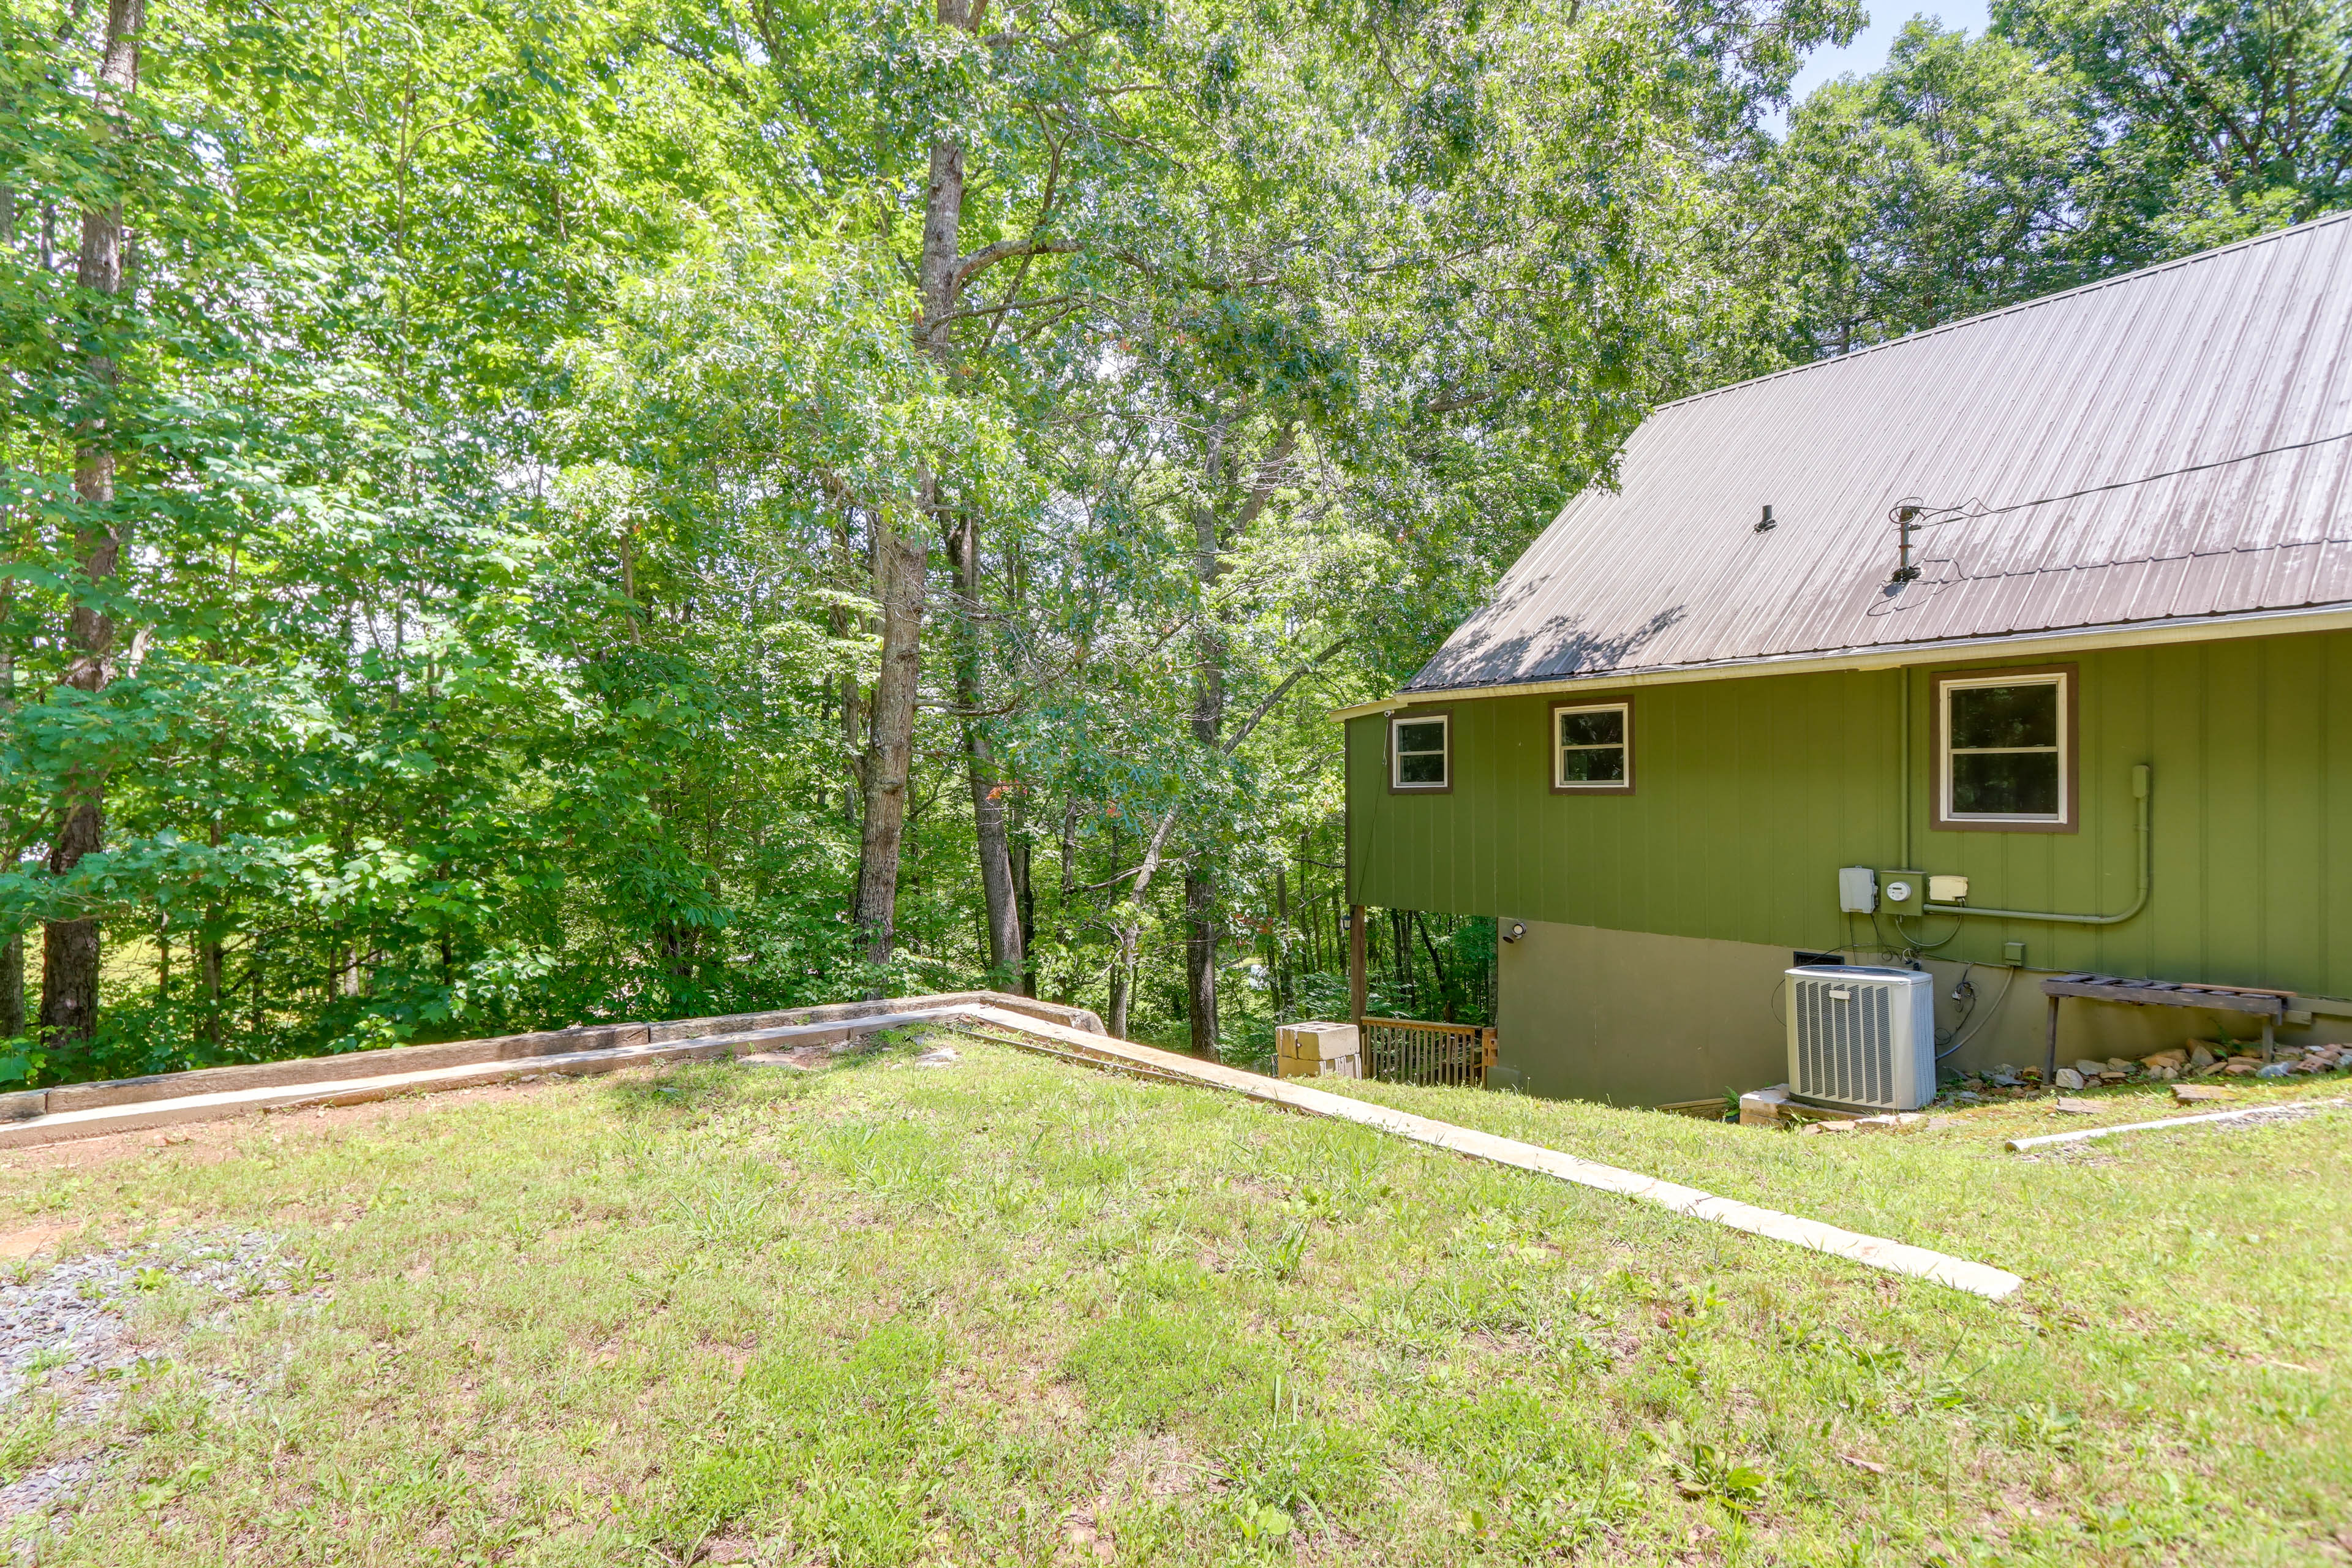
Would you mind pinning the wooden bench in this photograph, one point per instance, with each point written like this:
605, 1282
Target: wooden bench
2271, 1006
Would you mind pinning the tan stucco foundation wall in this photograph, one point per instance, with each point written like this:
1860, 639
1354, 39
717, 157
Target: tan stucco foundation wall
1636, 1018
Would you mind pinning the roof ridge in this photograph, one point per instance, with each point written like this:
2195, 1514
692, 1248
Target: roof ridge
2035, 303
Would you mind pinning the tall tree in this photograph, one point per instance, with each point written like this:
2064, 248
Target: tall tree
70, 948
2231, 115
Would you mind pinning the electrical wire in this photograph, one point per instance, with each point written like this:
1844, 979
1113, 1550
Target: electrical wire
1919, 946
2007, 979
1936, 516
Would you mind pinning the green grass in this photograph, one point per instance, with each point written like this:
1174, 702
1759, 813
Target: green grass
1013, 1312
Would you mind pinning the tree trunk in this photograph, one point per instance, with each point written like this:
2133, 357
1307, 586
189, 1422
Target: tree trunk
12, 987
899, 571
898, 567
1277, 941
1357, 982
1025, 899
1007, 958
1208, 647
1122, 971
69, 957
12, 951
1065, 992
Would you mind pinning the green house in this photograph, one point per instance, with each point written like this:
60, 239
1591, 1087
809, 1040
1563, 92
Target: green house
2018, 647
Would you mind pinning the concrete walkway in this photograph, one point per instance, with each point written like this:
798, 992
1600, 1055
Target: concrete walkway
216, 1092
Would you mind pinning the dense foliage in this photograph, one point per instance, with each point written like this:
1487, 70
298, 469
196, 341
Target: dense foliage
509, 518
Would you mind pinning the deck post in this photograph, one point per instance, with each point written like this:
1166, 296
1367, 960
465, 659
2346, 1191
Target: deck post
2050, 1053
1356, 983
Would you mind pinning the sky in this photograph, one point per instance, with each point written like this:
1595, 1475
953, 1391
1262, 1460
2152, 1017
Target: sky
1868, 50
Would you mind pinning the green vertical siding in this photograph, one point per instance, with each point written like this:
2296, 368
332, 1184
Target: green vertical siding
1750, 793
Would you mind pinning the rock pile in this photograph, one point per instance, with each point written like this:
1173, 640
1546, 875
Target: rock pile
2189, 1060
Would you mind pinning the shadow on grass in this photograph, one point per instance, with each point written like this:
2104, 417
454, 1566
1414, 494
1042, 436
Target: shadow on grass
702, 1087
689, 1090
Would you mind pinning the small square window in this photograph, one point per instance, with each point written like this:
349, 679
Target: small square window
1419, 752
2005, 750
1592, 747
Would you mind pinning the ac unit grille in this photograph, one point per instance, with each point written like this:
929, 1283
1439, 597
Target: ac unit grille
1843, 1049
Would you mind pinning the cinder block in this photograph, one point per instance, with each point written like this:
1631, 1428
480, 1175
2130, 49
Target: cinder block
1324, 1067
1316, 1042
1761, 1107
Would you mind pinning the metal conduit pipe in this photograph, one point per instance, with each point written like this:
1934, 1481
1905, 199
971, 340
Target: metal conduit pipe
2141, 783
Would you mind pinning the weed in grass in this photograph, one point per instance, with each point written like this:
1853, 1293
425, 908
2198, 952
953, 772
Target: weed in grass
2046, 1425
1294, 1462
1700, 1470
29, 1432
46, 1360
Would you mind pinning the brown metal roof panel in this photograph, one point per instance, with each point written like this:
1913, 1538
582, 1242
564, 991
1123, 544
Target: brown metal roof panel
2114, 390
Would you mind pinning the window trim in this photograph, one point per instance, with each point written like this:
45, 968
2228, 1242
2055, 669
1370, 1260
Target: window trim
1421, 715
2067, 678
1551, 747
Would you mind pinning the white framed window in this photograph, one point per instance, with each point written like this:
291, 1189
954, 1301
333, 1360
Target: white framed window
2005, 750
1421, 752
1592, 748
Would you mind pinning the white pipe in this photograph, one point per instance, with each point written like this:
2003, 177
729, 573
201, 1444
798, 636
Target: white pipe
2239, 1115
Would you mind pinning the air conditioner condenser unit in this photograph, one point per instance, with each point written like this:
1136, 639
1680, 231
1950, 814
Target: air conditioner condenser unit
1862, 1037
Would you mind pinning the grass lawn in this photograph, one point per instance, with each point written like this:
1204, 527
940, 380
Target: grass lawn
1009, 1311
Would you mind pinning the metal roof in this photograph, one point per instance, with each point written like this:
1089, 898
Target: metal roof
2173, 443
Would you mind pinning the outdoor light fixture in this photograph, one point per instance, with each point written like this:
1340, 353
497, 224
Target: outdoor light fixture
1765, 524
1515, 931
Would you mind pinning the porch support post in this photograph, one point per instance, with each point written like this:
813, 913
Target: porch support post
1356, 991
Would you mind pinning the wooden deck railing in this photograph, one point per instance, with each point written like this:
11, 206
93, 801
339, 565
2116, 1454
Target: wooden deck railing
1414, 1050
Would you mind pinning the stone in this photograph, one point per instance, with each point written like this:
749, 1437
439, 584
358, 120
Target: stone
2164, 1074
2118, 1063
1761, 1107
2069, 1078
2005, 1080
2175, 1058
939, 1057
2241, 1069
2087, 1068
2076, 1107
2274, 1069
2197, 1093
2201, 1055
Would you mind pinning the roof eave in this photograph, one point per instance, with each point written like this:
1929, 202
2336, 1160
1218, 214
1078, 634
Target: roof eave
2132, 634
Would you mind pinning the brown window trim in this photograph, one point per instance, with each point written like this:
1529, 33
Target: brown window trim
1388, 749
2070, 751
1551, 746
